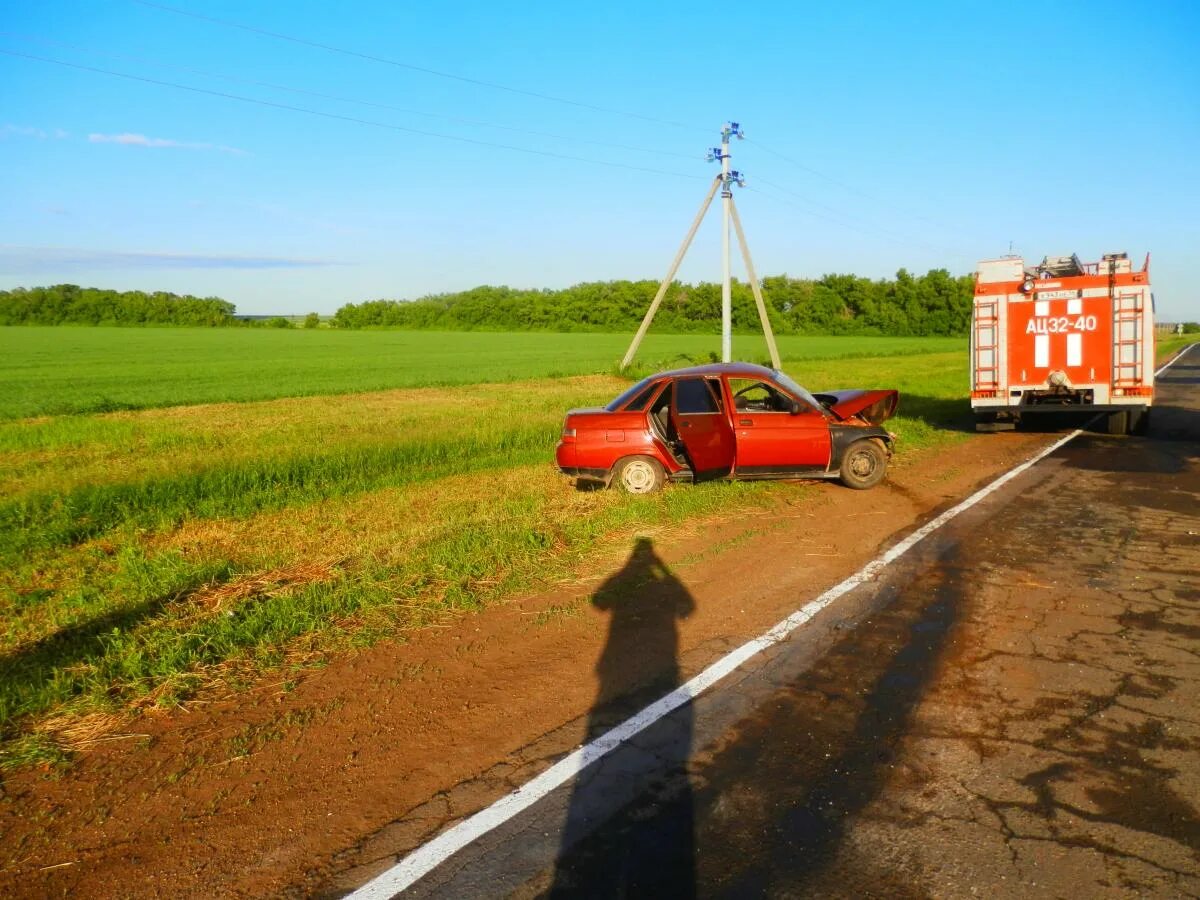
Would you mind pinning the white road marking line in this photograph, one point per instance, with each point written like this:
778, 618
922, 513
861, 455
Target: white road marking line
430, 855
1178, 356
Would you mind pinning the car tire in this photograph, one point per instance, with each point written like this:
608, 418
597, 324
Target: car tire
863, 465
638, 475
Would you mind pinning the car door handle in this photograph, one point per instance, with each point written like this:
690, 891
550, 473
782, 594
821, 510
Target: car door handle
745, 421
685, 424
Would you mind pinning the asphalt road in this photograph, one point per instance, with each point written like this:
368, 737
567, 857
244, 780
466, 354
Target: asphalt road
1011, 710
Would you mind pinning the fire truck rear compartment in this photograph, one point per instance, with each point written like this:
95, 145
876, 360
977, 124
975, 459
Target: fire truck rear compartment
1060, 338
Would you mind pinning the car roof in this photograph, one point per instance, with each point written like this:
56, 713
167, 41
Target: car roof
738, 368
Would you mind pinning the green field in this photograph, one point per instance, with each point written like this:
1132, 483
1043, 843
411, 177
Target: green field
149, 556
53, 371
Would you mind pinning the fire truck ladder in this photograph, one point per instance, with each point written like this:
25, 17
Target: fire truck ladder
1127, 340
987, 346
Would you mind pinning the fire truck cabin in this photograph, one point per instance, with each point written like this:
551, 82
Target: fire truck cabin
1062, 336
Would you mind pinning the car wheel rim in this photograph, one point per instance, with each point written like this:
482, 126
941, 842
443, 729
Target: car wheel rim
862, 464
638, 477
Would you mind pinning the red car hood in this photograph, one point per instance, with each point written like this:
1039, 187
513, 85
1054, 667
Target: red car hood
873, 406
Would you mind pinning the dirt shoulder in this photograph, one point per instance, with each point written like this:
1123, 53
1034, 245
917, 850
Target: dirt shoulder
273, 790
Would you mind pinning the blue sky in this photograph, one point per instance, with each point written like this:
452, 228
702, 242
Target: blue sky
880, 135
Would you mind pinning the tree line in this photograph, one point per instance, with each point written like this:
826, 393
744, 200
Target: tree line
936, 303
69, 304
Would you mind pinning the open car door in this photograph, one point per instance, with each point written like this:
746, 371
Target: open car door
698, 412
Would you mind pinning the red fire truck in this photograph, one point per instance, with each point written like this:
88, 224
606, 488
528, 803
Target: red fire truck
1062, 336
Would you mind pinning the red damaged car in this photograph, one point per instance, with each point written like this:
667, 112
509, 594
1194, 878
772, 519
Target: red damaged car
728, 420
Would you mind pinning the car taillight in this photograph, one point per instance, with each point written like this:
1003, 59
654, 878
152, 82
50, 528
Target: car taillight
568, 432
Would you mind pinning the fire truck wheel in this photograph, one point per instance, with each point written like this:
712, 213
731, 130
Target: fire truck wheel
864, 465
1118, 423
639, 475
1139, 421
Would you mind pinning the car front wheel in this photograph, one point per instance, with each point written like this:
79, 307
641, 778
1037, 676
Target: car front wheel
639, 475
864, 465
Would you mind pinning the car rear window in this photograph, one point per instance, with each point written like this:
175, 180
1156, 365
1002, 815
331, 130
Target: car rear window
642, 400
629, 394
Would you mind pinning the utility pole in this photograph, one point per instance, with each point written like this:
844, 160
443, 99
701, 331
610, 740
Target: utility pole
726, 287
727, 176
755, 288
666, 282
725, 180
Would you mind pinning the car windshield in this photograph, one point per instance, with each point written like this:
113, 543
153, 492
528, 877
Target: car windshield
795, 389
629, 394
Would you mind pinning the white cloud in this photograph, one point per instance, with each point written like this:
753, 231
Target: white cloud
129, 139
24, 131
62, 260
27, 131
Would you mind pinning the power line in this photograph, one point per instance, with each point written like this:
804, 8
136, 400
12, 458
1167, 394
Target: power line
809, 169
863, 225
342, 118
798, 196
863, 228
846, 187
479, 82
807, 212
341, 99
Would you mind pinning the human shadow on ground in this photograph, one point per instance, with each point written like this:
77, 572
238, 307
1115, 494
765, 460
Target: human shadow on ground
646, 856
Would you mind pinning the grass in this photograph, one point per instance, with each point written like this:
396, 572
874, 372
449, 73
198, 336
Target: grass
1172, 344
141, 621
148, 557
48, 371
57, 453
54, 518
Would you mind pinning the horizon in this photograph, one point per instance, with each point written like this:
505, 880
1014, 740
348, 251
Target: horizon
211, 149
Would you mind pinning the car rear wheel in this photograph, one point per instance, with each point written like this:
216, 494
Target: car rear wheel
639, 475
864, 465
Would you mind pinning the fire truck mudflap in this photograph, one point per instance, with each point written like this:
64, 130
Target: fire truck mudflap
1062, 336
